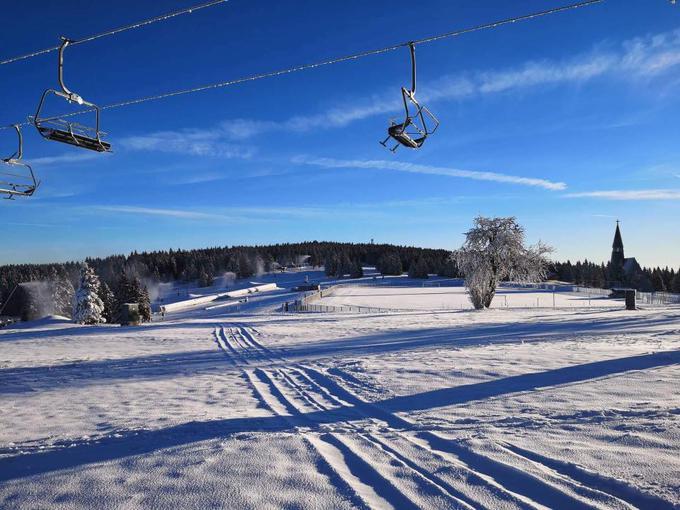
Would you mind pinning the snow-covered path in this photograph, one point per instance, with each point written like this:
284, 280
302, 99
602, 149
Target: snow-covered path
256, 409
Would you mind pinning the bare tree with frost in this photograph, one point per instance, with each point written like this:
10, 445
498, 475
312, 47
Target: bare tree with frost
494, 251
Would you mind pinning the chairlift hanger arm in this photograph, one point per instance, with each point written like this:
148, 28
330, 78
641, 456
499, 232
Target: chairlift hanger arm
412, 47
71, 96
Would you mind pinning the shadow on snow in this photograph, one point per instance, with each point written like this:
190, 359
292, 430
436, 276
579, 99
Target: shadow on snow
137, 443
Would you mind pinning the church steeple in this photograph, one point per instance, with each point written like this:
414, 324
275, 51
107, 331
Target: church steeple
617, 248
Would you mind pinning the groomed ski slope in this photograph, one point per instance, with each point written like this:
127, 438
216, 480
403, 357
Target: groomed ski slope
508, 408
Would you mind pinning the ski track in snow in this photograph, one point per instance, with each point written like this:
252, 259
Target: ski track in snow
380, 459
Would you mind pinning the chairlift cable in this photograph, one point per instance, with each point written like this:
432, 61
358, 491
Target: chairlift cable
337, 60
139, 24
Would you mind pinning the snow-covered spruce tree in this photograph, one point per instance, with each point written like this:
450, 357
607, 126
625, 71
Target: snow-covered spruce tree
88, 307
145, 305
110, 312
494, 251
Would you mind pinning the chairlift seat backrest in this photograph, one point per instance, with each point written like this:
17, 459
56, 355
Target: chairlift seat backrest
59, 130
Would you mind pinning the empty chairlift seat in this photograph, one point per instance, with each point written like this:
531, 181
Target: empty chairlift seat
59, 129
418, 123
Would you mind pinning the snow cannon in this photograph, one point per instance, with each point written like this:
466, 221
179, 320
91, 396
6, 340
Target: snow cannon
129, 314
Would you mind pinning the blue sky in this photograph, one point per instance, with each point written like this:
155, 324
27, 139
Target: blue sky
567, 122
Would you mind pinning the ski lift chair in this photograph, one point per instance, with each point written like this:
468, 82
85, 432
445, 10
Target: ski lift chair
414, 130
16, 177
61, 130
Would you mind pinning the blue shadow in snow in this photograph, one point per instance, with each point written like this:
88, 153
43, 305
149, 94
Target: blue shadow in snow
138, 443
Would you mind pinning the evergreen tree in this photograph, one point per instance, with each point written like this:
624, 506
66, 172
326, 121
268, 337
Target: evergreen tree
144, 304
657, 281
204, 279
131, 290
331, 265
245, 267
448, 269
109, 312
390, 264
675, 285
346, 266
418, 269
357, 270
88, 306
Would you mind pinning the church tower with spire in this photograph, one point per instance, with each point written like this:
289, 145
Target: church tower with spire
618, 258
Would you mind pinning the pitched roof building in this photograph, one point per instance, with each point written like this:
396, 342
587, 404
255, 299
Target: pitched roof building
622, 268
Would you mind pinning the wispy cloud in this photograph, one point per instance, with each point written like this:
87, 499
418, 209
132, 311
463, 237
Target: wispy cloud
374, 210
607, 216
190, 142
186, 214
640, 194
62, 159
431, 170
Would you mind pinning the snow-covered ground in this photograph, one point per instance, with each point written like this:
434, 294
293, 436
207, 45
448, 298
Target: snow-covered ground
507, 408
429, 297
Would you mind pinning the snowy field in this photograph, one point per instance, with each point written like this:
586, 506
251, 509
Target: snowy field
507, 408
455, 298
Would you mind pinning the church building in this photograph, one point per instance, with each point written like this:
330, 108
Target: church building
622, 268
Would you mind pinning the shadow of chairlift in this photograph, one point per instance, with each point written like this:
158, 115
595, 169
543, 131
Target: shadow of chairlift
414, 130
16, 177
60, 130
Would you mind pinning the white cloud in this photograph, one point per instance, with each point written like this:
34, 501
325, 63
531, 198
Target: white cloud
190, 142
75, 157
640, 194
280, 213
431, 170
171, 213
